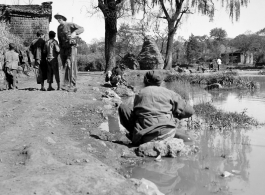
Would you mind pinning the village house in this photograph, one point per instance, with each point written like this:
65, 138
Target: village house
25, 20
236, 56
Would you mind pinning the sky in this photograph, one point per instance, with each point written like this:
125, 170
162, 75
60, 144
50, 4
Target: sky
76, 11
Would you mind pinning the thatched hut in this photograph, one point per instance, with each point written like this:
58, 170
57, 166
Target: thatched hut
25, 20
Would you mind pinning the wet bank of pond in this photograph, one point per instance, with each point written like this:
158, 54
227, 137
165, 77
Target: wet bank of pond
239, 152
227, 163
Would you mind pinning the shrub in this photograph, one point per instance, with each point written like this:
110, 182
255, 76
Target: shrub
91, 62
221, 120
227, 80
6, 37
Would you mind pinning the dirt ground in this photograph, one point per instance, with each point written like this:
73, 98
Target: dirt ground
46, 146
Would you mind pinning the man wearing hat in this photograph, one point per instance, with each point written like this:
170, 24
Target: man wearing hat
154, 112
52, 51
11, 60
67, 32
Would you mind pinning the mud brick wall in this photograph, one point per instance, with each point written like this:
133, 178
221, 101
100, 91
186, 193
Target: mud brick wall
27, 27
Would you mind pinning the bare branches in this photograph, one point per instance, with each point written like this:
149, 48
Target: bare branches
164, 9
186, 10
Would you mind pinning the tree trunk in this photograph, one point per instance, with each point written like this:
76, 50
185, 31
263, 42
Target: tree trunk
170, 39
110, 42
109, 10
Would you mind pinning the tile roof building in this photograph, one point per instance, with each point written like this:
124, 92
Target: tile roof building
25, 20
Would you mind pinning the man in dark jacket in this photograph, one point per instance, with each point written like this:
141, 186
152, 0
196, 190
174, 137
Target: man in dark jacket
37, 50
155, 109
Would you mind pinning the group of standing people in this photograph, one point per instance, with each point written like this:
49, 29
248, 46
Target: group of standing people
217, 61
45, 54
156, 109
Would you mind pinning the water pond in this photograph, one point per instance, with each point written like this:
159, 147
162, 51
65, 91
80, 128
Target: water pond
232, 163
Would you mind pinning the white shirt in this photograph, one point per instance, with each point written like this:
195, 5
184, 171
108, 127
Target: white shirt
219, 61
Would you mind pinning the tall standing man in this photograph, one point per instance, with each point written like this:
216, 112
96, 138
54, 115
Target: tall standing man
67, 32
37, 50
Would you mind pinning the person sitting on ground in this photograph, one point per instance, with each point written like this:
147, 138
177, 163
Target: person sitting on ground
11, 59
108, 77
154, 113
52, 50
117, 76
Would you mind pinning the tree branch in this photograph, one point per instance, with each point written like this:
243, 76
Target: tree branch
161, 17
101, 4
164, 9
186, 10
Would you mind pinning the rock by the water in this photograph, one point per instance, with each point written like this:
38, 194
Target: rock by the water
214, 86
172, 147
150, 57
110, 94
123, 91
111, 98
182, 70
130, 61
146, 187
226, 174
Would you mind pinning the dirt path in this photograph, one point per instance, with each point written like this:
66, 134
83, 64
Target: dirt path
45, 146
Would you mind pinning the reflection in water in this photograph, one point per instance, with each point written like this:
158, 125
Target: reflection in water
239, 152
200, 174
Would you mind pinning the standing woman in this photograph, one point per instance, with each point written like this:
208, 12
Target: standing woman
67, 32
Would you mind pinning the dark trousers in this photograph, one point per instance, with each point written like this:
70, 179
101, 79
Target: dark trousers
41, 64
127, 119
53, 69
69, 61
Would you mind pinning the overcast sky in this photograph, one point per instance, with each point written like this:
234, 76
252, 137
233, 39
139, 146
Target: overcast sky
252, 19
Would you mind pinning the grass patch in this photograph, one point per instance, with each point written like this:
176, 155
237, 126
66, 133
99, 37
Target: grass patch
217, 119
228, 80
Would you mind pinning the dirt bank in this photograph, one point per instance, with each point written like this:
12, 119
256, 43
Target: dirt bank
46, 147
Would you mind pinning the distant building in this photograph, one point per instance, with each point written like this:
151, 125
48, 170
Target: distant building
26, 20
234, 55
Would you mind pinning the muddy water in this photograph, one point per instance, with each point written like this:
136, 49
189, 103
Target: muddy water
240, 153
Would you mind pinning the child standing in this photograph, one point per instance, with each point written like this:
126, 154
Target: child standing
37, 48
10, 66
52, 51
